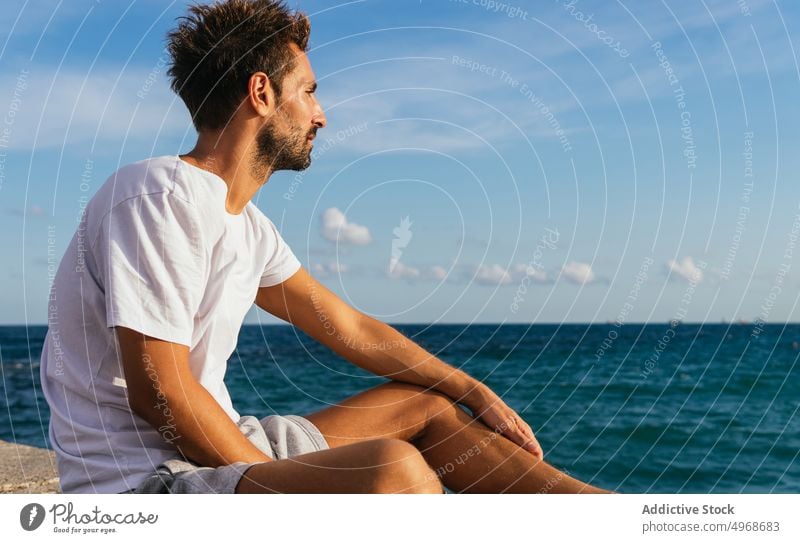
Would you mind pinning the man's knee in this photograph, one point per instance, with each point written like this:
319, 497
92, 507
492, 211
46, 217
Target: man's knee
401, 468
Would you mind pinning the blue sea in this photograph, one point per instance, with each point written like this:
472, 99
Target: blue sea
636, 408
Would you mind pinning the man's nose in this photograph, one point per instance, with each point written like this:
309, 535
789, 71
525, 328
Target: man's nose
319, 117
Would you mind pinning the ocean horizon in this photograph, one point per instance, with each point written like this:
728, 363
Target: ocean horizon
657, 408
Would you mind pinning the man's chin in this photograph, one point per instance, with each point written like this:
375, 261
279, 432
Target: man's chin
302, 166
307, 162
297, 164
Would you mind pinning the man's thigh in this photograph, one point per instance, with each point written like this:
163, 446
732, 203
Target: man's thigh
278, 436
372, 466
392, 410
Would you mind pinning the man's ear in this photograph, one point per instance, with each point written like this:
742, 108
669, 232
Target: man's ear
260, 95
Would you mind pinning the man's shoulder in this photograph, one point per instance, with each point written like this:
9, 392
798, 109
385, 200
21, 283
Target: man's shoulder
154, 178
149, 176
159, 178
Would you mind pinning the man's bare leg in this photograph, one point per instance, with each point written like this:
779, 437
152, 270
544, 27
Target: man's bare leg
464, 452
381, 466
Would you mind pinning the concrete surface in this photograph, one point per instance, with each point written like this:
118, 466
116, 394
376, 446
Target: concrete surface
27, 470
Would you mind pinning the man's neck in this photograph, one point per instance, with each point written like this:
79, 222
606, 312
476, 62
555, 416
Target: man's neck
229, 158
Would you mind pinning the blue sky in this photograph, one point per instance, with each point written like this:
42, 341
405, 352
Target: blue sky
564, 161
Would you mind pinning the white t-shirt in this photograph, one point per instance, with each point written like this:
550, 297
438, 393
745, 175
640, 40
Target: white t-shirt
156, 251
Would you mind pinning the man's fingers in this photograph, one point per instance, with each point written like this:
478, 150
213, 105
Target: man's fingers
527, 441
519, 432
535, 448
532, 444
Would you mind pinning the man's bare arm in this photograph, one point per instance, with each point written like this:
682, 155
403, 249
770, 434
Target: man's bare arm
162, 390
366, 342
382, 350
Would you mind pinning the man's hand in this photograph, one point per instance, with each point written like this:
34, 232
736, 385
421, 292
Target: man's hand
499, 417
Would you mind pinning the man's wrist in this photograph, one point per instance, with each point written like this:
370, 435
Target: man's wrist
469, 391
479, 397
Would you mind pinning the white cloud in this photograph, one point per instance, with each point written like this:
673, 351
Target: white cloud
438, 273
685, 269
523, 270
578, 272
492, 275
325, 269
401, 271
337, 229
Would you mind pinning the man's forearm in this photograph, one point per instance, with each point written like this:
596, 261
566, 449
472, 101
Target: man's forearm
191, 420
378, 348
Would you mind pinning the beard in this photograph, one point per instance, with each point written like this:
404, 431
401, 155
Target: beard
282, 152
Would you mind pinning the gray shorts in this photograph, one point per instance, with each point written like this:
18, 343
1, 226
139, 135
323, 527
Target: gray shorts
279, 436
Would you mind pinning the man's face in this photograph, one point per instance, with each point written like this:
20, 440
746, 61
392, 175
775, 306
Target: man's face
285, 142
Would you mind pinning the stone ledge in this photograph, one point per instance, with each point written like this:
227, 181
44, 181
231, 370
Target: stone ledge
27, 470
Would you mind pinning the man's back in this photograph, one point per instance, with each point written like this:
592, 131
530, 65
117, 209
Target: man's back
155, 252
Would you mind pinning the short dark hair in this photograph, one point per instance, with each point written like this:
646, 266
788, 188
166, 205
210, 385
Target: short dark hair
217, 47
